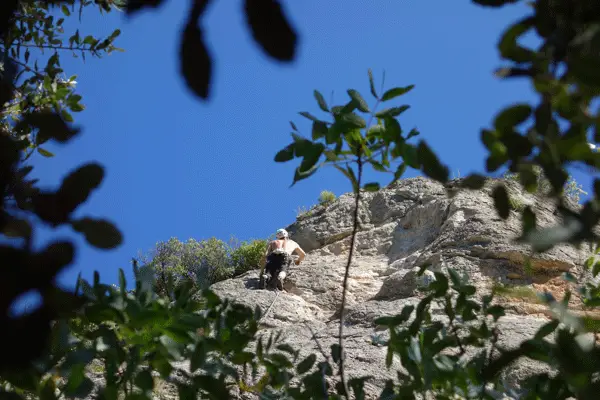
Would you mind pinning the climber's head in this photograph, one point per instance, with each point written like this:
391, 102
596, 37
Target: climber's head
281, 234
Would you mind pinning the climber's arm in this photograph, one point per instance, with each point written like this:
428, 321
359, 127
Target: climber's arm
301, 255
263, 260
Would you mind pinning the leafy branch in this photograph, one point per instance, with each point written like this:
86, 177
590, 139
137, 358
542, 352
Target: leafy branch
346, 140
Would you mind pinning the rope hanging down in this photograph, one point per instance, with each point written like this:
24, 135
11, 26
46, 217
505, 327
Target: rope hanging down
277, 291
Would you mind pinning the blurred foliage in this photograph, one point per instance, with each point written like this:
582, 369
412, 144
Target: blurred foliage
571, 190
266, 20
349, 142
138, 332
35, 107
31, 57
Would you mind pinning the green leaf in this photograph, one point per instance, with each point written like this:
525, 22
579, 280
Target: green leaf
430, 164
17, 228
336, 352
596, 269
361, 104
321, 101
308, 115
371, 187
50, 126
122, 281
186, 392
399, 172
305, 365
496, 312
546, 329
172, 347
312, 154
413, 132
392, 112
144, 381
349, 173
301, 174
409, 154
393, 130
377, 166
286, 154
78, 107
508, 46
512, 116
98, 232
334, 133
199, 356
354, 120
501, 202
48, 388
319, 130
393, 321
372, 84
215, 387
81, 389
78, 185
494, 3
44, 152
474, 181
195, 62
270, 29
585, 69
395, 92
66, 116
529, 220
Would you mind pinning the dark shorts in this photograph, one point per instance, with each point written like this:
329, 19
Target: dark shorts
277, 262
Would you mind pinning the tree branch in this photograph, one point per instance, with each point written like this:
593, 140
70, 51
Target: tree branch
345, 284
55, 47
355, 227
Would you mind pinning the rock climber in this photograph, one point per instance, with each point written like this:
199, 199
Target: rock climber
279, 257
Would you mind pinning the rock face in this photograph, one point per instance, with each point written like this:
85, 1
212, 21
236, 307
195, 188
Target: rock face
401, 228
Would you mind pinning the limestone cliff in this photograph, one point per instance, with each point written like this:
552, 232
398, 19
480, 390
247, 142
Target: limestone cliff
401, 227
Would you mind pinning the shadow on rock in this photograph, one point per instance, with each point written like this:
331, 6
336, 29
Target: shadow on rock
251, 283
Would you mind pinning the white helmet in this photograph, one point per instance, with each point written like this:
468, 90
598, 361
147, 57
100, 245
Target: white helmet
281, 233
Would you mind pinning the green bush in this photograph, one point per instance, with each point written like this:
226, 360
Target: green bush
201, 262
247, 255
326, 197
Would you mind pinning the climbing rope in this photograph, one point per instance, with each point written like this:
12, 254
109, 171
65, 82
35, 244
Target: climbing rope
270, 306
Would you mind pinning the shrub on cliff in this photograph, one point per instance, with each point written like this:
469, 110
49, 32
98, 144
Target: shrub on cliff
201, 262
247, 255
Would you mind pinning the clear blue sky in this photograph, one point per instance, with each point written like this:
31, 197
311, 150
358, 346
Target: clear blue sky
179, 167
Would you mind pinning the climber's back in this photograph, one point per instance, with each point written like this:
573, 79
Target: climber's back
279, 257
